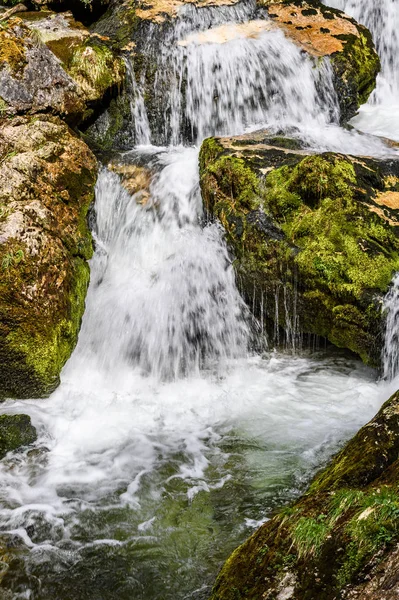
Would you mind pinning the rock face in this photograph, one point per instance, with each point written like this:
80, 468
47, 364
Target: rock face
53, 74
47, 179
15, 431
52, 64
338, 539
314, 236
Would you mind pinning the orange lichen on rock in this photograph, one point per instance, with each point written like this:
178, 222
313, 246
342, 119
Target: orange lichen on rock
310, 28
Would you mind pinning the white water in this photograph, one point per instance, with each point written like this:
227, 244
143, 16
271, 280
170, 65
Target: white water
167, 439
380, 115
240, 77
390, 354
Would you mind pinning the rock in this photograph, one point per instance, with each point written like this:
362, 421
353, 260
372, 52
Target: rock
324, 31
134, 178
50, 63
315, 234
87, 11
15, 431
47, 177
335, 541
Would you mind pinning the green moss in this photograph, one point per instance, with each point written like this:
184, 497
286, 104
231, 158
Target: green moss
318, 227
96, 68
356, 69
45, 352
309, 534
15, 431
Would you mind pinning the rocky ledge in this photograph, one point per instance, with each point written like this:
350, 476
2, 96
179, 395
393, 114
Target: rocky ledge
339, 540
48, 176
315, 236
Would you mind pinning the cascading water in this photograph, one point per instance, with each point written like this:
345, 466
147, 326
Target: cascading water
390, 354
223, 74
380, 115
167, 442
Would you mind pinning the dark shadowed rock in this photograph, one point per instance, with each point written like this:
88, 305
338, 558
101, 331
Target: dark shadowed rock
15, 431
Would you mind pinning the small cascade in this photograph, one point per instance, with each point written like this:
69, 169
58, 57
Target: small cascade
390, 353
218, 72
382, 19
163, 292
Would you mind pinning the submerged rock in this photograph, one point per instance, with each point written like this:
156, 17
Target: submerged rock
314, 236
15, 431
47, 177
337, 539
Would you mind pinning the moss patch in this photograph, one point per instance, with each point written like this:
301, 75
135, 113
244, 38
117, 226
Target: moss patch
15, 431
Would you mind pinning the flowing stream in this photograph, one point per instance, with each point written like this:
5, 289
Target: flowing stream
169, 439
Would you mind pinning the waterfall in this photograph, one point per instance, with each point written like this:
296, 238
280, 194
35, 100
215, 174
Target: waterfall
219, 72
381, 115
390, 353
163, 295
167, 440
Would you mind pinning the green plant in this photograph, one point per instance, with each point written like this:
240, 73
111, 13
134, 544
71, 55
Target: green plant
11, 259
310, 534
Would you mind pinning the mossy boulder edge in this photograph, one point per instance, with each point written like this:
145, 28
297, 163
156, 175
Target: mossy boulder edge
48, 176
315, 236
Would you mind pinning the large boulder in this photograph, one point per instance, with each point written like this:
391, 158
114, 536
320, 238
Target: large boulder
314, 236
339, 538
47, 177
51, 63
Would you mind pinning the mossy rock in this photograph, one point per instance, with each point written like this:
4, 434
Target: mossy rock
15, 431
47, 179
333, 538
317, 232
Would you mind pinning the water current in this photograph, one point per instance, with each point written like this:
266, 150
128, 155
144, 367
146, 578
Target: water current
170, 439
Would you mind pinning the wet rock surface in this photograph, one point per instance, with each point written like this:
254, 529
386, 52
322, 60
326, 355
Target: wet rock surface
314, 233
323, 31
50, 63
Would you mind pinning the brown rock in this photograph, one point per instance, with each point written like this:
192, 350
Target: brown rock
47, 178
